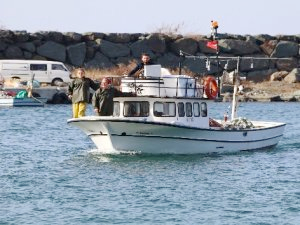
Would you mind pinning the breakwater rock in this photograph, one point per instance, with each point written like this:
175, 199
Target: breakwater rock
107, 50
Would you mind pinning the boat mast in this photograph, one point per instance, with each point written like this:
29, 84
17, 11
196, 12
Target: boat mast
236, 80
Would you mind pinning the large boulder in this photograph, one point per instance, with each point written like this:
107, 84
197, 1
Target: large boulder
252, 63
55, 36
269, 46
76, 53
113, 50
260, 75
53, 50
100, 61
169, 60
156, 43
139, 47
293, 76
13, 52
187, 45
285, 49
286, 64
28, 46
238, 47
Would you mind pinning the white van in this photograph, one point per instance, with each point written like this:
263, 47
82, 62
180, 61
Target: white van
43, 71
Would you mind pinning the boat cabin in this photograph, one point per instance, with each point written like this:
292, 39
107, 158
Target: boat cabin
163, 98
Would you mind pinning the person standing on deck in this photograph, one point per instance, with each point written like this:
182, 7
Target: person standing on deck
102, 100
145, 60
79, 92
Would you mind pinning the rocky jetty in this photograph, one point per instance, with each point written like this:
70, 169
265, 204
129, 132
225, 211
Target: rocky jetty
107, 50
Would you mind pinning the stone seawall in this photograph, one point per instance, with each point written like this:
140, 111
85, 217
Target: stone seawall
104, 51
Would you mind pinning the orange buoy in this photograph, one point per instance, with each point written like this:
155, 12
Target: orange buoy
210, 87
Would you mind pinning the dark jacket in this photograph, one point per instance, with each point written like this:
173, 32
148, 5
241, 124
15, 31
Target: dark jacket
138, 67
80, 89
103, 100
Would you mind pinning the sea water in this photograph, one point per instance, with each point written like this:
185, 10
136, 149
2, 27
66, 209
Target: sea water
51, 173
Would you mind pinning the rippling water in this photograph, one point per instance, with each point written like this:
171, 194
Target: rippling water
51, 173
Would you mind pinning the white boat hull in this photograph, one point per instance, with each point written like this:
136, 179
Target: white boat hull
19, 102
159, 138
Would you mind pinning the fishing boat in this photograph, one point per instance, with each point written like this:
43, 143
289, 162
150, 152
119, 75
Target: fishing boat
170, 114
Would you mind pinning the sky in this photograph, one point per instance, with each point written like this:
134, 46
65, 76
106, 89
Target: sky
132, 16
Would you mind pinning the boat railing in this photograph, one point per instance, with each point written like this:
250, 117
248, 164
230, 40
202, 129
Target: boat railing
180, 86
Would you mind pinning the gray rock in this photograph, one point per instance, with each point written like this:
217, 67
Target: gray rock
13, 52
118, 37
139, 47
27, 55
187, 45
21, 36
3, 45
169, 60
113, 50
285, 49
100, 61
53, 50
251, 64
76, 53
156, 43
260, 75
28, 46
291, 38
55, 36
286, 64
269, 46
37, 36
293, 76
262, 38
238, 47
6, 35
72, 37
92, 36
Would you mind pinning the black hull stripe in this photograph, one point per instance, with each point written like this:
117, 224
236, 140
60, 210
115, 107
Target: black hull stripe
175, 125
190, 139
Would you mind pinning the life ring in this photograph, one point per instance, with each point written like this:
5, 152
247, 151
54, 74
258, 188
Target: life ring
210, 87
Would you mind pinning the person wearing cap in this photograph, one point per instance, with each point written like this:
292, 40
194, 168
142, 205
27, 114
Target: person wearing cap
102, 99
79, 92
145, 60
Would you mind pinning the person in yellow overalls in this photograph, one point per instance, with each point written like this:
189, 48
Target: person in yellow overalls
79, 92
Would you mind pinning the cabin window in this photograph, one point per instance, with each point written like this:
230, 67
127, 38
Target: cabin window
164, 109
116, 109
189, 110
196, 108
38, 67
136, 109
203, 109
58, 67
181, 111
